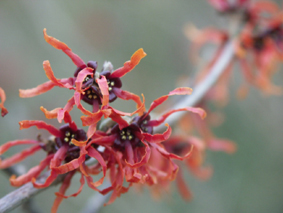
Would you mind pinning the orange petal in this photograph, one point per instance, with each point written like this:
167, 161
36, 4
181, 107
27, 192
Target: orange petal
42, 88
19, 156
40, 125
50, 114
60, 195
129, 65
32, 173
62, 46
10, 144
50, 75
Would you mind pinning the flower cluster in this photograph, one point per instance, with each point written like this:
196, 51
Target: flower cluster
127, 149
258, 47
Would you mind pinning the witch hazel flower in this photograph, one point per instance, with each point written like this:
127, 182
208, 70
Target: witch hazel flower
133, 142
257, 49
4, 111
192, 132
63, 157
58, 148
85, 79
180, 145
200, 40
190, 124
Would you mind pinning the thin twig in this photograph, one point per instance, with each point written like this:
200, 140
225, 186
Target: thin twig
202, 88
29, 206
24, 193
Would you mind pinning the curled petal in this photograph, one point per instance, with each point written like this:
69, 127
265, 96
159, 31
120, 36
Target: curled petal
140, 110
144, 158
90, 183
61, 194
125, 95
132, 175
196, 110
200, 38
10, 144
77, 98
72, 165
79, 143
91, 130
82, 181
58, 157
202, 173
67, 108
19, 157
92, 119
222, 145
55, 42
174, 171
129, 65
158, 138
177, 91
68, 119
40, 125
4, 111
103, 141
117, 193
50, 114
182, 187
62, 46
49, 180
50, 75
116, 115
42, 88
162, 151
181, 91
103, 86
95, 154
81, 77
32, 173
119, 120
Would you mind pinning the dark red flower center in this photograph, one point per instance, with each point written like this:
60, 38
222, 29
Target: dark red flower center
129, 134
66, 140
91, 64
258, 43
132, 133
91, 95
112, 83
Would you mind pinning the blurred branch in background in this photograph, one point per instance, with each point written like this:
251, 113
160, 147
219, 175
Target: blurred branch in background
24, 193
28, 206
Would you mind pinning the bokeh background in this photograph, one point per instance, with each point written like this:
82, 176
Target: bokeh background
248, 181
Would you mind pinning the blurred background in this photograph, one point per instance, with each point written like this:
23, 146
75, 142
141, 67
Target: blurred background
248, 181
